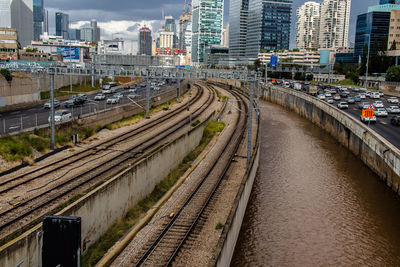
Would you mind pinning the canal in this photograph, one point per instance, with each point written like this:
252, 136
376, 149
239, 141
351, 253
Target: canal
314, 203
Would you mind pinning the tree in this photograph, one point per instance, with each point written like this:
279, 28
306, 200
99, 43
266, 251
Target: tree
393, 74
393, 46
257, 64
6, 74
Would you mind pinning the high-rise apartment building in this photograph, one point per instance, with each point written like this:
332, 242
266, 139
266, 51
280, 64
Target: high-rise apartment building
96, 30
308, 19
145, 41
18, 14
62, 25
207, 23
75, 34
334, 23
238, 21
394, 29
185, 32
38, 19
268, 26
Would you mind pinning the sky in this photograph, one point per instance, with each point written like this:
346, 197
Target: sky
122, 18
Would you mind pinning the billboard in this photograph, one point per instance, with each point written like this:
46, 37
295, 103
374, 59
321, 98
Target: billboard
274, 61
69, 53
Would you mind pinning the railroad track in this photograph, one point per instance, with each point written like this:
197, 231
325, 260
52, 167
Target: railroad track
39, 205
9, 184
164, 248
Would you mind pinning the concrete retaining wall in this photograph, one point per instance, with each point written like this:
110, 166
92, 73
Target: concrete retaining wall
375, 151
102, 207
25, 92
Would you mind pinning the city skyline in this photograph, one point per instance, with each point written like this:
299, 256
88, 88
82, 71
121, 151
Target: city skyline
127, 20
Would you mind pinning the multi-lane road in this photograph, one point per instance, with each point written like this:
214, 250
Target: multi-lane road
382, 125
14, 121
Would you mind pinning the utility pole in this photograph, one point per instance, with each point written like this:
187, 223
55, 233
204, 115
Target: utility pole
179, 89
258, 100
266, 73
250, 128
52, 122
93, 76
148, 96
366, 73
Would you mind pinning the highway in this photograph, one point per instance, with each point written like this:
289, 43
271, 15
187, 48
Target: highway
38, 116
382, 125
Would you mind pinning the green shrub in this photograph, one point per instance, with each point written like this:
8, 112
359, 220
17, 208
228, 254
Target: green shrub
13, 149
7, 74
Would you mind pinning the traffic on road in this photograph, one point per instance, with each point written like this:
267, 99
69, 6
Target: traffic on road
386, 109
81, 104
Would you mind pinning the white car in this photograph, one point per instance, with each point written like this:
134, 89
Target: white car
329, 100
132, 90
366, 119
48, 104
362, 95
336, 97
356, 89
393, 109
343, 105
62, 115
381, 112
100, 97
393, 100
112, 100
119, 95
328, 94
375, 95
321, 97
378, 104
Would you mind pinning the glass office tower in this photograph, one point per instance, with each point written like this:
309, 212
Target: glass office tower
207, 18
5, 13
269, 26
38, 18
238, 19
62, 25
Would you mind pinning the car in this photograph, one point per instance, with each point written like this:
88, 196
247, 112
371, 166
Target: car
82, 96
328, 94
381, 112
329, 100
381, 94
364, 105
350, 100
393, 100
48, 104
395, 120
112, 100
393, 109
368, 119
321, 97
99, 97
363, 95
126, 86
343, 105
375, 95
367, 93
336, 97
62, 115
378, 104
74, 101
132, 90
119, 95
356, 89
132, 95
357, 98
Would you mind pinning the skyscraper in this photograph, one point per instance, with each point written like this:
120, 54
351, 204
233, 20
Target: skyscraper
18, 14
96, 30
170, 26
62, 25
46, 21
372, 28
238, 21
207, 22
145, 41
268, 26
185, 32
38, 18
308, 18
334, 23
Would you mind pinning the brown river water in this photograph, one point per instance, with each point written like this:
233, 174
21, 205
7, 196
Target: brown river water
314, 203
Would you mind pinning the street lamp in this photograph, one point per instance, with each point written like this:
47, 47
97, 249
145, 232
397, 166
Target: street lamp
369, 50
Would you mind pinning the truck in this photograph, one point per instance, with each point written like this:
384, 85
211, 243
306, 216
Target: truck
312, 90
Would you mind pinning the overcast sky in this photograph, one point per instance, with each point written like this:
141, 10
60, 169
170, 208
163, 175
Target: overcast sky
123, 17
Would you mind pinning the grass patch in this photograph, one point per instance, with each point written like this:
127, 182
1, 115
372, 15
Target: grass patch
64, 91
221, 98
219, 226
14, 149
96, 251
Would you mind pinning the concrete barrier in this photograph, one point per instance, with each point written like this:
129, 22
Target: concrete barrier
374, 150
100, 208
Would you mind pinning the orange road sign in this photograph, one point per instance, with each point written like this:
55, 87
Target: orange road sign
368, 113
